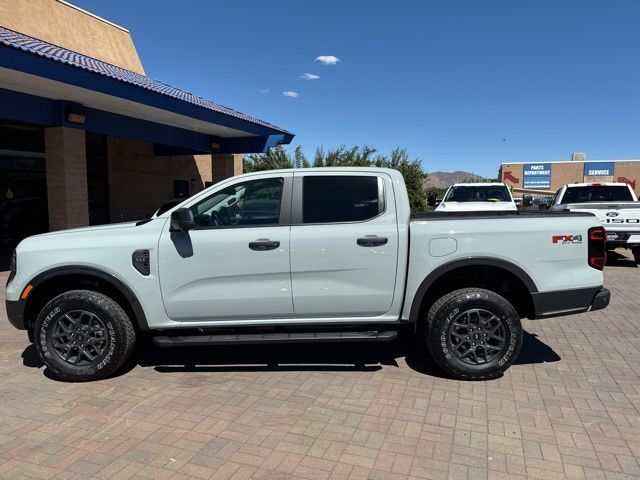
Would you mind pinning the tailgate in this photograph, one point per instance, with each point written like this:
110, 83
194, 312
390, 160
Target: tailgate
620, 219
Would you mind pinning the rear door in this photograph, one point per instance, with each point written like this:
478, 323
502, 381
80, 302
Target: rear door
344, 244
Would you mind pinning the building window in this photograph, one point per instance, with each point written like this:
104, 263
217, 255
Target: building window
180, 188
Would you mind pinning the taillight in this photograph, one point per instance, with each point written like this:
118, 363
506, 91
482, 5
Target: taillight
597, 254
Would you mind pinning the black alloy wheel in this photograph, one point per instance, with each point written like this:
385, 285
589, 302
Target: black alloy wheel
477, 336
79, 337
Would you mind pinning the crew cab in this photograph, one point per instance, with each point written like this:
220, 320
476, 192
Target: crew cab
304, 255
475, 197
616, 206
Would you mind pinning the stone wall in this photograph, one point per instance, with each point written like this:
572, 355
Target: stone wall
62, 24
140, 182
66, 165
571, 172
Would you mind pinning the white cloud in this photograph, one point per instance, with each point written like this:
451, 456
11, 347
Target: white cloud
309, 76
290, 93
265, 90
327, 59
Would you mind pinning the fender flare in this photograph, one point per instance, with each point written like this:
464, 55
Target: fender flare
466, 262
115, 282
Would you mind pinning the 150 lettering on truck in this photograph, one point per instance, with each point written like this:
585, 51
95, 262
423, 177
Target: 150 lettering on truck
306, 255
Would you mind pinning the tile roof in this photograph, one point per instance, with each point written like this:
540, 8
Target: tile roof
41, 48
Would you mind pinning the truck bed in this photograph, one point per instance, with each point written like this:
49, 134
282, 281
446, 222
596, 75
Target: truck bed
495, 214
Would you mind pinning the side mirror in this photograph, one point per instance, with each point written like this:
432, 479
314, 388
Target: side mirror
182, 220
527, 200
431, 200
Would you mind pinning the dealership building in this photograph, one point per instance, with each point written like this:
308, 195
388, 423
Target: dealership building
548, 177
87, 138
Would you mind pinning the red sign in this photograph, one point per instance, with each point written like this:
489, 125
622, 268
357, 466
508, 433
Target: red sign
631, 183
509, 176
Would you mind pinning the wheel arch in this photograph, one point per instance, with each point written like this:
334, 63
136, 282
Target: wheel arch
474, 271
50, 283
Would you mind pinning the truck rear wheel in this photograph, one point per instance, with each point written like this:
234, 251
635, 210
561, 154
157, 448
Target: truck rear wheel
636, 254
473, 334
83, 335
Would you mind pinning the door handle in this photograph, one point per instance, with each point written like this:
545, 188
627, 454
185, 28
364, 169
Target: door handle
263, 244
372, 241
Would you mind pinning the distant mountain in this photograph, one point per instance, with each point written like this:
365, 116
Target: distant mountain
445, 179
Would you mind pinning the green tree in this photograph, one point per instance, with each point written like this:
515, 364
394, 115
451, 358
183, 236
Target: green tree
413, 174
356, 156
300, 161
275, 158
473, 178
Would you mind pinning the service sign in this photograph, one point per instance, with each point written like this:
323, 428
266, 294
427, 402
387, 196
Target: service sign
537, 176
598, 169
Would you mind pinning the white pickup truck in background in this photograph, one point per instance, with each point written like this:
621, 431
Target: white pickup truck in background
478, 197
615, 205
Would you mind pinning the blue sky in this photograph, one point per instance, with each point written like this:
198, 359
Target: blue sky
464, 85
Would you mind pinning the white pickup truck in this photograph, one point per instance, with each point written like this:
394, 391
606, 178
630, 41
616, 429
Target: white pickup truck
615, 205
477, 197
308, 255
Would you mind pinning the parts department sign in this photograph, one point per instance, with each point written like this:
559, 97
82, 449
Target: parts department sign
537, 176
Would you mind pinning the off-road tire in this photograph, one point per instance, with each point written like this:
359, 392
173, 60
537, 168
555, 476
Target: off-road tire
438, 336
116, 338
636, 254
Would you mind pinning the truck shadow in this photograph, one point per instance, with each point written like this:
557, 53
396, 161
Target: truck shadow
327, 357
618, 259
364, 357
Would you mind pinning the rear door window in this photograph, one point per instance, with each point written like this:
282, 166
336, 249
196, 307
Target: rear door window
334, 199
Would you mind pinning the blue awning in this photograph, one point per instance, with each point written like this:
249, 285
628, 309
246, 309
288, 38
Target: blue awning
42, 83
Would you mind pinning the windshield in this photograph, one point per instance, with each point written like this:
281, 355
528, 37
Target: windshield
480, 193
597, 193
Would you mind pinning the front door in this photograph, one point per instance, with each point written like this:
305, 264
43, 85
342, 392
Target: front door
235, 264
344, 245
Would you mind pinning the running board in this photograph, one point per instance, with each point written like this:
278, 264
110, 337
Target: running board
266, 338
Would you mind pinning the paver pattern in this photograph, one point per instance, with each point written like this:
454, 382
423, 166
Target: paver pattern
569, 408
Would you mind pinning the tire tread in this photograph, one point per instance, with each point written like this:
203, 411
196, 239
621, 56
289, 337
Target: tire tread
432, 339
118, 315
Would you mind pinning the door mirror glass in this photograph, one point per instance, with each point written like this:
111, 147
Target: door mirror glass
182, 220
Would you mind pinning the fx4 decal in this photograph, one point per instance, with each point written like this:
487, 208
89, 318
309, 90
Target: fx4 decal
564, 239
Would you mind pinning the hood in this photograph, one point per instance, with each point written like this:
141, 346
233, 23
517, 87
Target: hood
93, 228
476, 206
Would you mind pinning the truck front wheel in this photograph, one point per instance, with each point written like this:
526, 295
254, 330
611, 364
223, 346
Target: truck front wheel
83, 335
473, 333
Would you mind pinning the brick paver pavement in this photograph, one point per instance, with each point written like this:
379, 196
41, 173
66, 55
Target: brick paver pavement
569, 408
